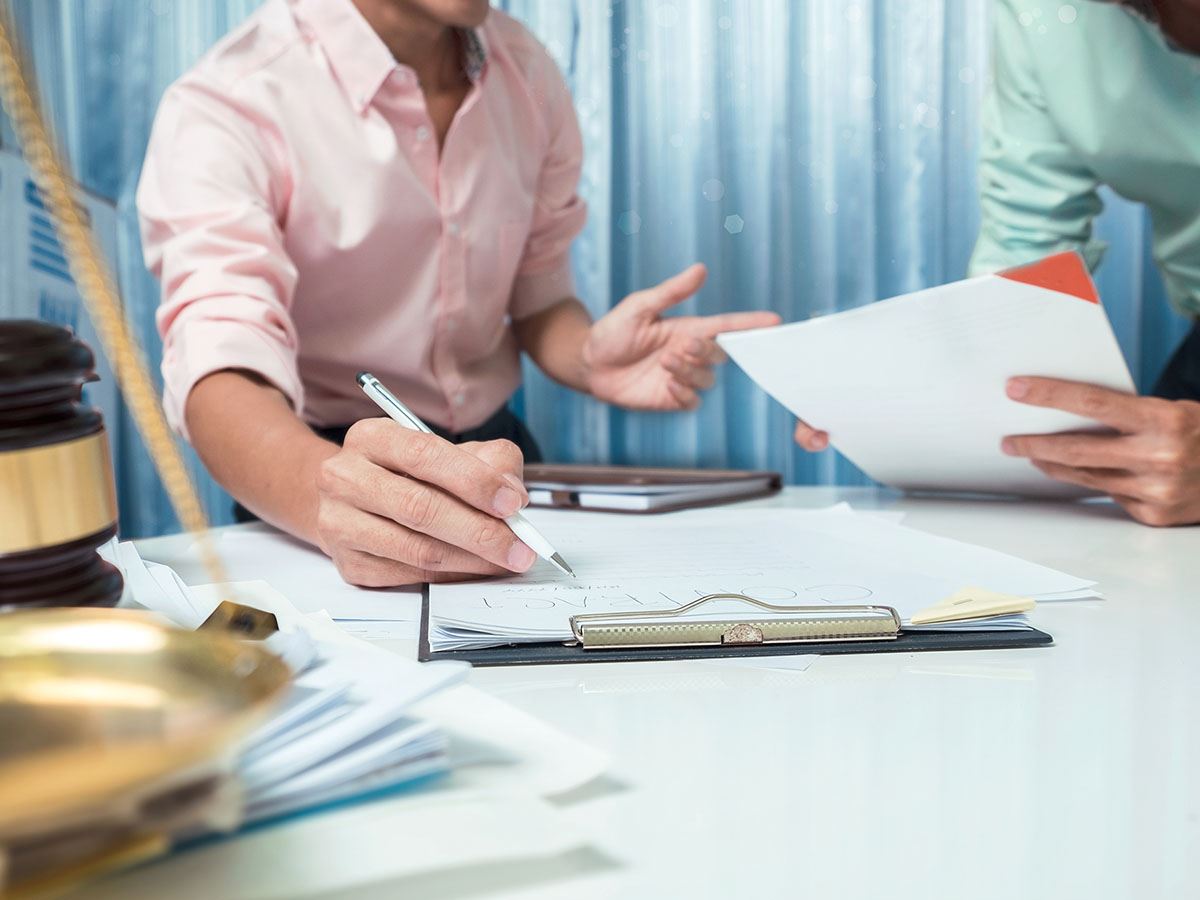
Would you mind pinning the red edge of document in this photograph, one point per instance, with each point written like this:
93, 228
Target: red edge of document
1063, 272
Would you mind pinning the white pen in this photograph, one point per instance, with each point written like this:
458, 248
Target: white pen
402, 415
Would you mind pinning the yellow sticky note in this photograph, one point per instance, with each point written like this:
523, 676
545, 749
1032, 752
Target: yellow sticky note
973, 603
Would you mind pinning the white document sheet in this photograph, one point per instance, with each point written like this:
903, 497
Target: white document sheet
154, 586
912, 390
308, 578
788, 557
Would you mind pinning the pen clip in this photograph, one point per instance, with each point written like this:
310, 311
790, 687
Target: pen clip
390, 403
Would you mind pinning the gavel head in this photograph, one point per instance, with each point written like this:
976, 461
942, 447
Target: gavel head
57, 499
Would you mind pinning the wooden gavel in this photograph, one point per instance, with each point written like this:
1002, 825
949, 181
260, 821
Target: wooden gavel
57, 498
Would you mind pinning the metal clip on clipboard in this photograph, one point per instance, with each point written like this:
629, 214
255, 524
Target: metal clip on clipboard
784, 625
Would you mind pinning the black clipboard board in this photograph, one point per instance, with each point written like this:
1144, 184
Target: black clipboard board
572, 654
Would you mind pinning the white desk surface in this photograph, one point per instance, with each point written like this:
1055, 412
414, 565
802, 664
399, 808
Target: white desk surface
1068, 771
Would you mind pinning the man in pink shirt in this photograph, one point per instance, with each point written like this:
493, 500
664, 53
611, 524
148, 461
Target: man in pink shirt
387, 185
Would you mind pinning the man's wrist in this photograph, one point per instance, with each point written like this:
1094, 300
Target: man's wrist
557, 340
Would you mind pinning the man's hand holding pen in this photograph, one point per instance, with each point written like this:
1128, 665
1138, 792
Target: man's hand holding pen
404, 507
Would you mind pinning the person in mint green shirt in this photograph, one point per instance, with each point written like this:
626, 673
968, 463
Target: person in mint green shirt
1089, 93
1084, 94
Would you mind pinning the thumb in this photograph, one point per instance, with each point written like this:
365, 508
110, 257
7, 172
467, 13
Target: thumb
674, 290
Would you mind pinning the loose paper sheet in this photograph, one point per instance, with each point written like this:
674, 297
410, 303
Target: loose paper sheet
310, 580
912, 390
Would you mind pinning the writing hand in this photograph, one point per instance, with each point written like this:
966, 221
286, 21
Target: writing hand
403, 507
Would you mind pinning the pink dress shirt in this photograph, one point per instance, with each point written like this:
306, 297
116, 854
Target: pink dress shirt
294, 206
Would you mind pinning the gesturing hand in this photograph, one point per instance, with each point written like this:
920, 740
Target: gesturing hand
637, 359
403, 507
1151, 465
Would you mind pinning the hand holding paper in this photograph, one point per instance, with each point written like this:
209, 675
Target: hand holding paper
912, 390
1150, 463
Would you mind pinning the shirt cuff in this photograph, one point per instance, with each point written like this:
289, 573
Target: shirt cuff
536, 292
196, 350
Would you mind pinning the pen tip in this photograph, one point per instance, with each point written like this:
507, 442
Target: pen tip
363, 377
562, 565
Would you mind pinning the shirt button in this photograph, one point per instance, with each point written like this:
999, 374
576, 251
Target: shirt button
422, 134
460, 398
453, 228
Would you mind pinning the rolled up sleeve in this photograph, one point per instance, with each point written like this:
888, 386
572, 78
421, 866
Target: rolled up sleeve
544, 275
210, 202
1037, 195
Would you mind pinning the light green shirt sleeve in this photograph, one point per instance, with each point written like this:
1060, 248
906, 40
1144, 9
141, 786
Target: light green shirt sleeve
1037, 196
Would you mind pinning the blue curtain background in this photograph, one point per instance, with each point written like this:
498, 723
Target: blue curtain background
816, 154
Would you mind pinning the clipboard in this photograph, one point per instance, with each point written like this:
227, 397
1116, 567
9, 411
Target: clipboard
660, 635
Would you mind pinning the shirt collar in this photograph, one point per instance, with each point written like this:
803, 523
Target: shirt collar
359, 58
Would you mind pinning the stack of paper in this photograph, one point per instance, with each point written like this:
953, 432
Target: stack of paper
345, 729
362, 723
361, 720
786, 557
